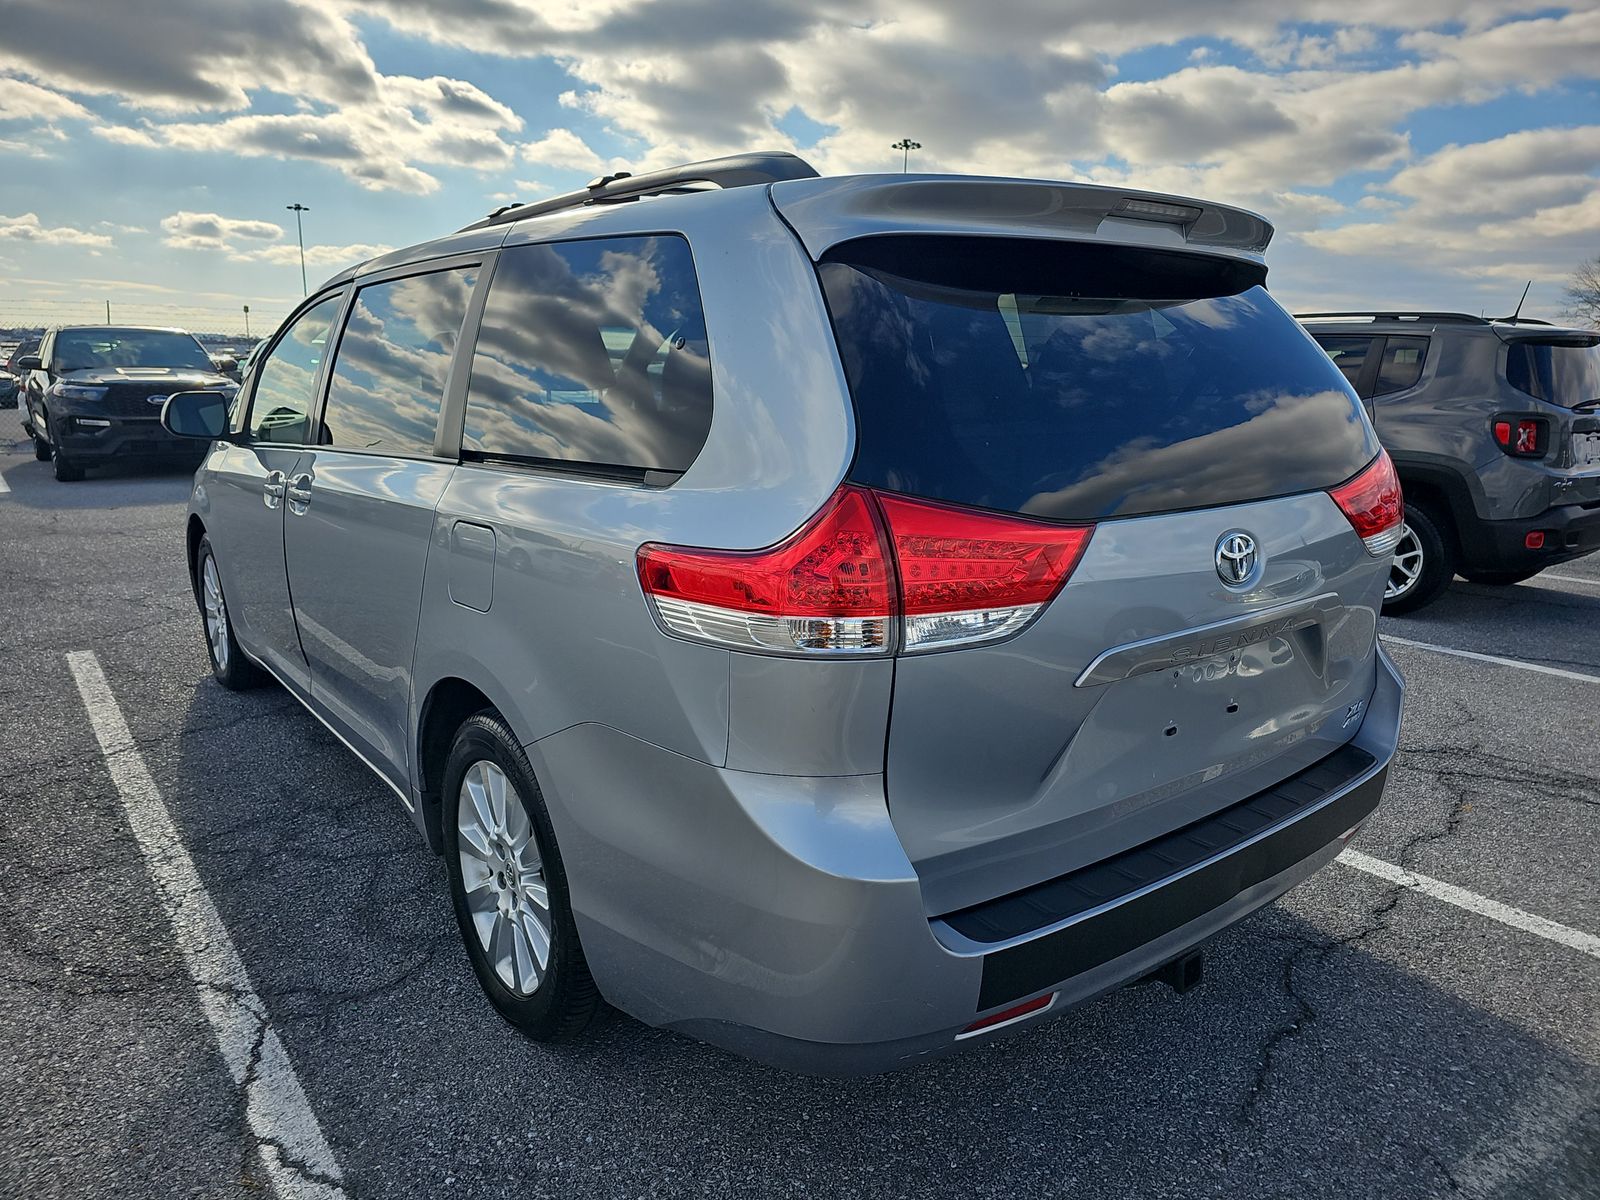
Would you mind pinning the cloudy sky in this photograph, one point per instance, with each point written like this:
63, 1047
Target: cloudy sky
1433, 153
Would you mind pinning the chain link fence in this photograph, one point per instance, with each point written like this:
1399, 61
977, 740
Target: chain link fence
21, 319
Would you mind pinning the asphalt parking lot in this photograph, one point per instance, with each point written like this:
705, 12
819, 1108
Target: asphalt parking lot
1359, 1038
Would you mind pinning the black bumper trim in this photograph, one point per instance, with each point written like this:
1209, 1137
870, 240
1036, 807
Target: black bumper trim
1204, 874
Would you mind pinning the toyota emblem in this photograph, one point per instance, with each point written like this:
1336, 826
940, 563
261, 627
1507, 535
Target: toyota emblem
1238, 562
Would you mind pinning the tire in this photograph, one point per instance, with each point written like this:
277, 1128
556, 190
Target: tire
230, 666
1498, 578
41, 449
1431, 540
66, 471
509, 849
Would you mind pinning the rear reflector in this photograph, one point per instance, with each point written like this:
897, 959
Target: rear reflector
1373, 505
1534, 540
1007, 1015
869, 569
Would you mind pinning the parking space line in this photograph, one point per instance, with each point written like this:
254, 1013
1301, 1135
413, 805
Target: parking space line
1565, 579
296, 1155
1493, 658
4, 486
1576, 939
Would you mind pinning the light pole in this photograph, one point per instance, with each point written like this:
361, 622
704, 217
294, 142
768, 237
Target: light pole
297, 209
247, 321
905, 146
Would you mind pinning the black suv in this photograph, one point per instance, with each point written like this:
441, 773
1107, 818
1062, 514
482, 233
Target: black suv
1494, 427
93, 393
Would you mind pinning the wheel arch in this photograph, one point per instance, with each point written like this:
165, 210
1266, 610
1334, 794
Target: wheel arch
196, 531
449, 701
1444, 493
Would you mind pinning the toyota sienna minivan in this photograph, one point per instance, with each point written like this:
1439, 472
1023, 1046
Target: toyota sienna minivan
840, 619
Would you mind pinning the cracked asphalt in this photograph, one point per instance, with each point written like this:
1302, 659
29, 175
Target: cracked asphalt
1353, 1040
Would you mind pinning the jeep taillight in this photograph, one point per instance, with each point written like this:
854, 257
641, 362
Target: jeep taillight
870, 573
1373, 505
1519, 437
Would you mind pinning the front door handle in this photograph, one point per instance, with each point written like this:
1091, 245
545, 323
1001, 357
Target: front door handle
300, 494
272, 490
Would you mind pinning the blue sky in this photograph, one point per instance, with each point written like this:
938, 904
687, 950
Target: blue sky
1434, 154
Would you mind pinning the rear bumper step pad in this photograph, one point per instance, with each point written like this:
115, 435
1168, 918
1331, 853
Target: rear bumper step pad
1204, 864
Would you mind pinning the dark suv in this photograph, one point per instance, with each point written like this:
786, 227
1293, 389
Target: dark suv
1494, 427
94, 393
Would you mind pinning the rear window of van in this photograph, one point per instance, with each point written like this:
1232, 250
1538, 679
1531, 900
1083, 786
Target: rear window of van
1080, 381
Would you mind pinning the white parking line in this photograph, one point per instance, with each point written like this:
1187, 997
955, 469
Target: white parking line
296, 1155
1565, 579
4, 486
1576, 939
1493, 658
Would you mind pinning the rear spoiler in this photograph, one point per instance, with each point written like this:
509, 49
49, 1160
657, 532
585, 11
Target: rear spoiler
825, 212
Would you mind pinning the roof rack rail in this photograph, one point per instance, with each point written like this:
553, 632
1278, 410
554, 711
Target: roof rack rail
1398, 315
736, 170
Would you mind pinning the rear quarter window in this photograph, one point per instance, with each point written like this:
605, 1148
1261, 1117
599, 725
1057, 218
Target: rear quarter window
1082, 381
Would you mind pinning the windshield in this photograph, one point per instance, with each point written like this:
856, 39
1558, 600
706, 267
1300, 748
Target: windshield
80, 349
1564, 374
975, 385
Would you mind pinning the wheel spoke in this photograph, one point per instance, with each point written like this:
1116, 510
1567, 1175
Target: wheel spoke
538, 936
527, 970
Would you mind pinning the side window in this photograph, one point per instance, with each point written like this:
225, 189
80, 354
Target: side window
389, 371
592, 354
1349, 354
287, 377
1402, 364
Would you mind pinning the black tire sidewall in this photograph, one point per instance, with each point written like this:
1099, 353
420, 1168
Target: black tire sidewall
1438, 561
563, 1003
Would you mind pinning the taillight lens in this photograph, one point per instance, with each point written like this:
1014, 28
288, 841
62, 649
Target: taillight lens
1373, 504
970, 576
825, 589
952, 577
1520, 437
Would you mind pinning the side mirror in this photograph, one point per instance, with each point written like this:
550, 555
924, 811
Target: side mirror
29, 362
226, 364
196, 415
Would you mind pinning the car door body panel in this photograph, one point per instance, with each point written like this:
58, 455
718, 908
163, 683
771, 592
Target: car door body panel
356, 553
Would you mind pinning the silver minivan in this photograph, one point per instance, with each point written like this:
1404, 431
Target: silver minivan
840, 619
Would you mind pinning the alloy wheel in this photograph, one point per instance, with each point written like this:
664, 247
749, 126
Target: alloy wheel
216, 612
502, 874
1406, 568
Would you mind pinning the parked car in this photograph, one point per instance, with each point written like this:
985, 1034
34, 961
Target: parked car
14, 375
839, 619
92, 393
1494, 428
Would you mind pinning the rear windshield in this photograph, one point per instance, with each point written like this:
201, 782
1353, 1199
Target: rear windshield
1567, 374
79, 349
1080, 381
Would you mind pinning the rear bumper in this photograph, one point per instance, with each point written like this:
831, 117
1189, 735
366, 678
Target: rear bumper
1570, 531
780, 918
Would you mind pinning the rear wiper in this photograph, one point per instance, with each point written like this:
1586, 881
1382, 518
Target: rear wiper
1586, 405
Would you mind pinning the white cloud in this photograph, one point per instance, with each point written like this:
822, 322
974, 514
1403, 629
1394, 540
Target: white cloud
211, 231
24, 101
28, 228
564, 150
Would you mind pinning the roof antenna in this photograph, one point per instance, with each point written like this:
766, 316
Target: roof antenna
1520, 303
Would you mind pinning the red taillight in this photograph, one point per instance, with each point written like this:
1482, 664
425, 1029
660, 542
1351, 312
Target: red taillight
957, 575
1373, 504
1521, 437
974, 576
827, 587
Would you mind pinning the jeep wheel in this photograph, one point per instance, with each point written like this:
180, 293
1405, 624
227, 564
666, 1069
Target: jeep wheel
1424, 562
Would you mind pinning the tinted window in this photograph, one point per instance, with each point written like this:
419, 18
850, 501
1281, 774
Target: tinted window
287, 377
592, 353
1349, 354
1564, 374
1402, 364
389, 373
76, 349
1083, 401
